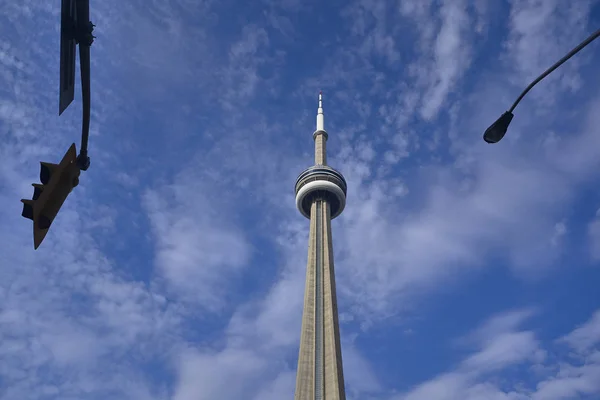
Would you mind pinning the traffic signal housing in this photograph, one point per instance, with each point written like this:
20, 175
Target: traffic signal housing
57, 181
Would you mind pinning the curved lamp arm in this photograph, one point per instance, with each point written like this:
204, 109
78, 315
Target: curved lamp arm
498, 129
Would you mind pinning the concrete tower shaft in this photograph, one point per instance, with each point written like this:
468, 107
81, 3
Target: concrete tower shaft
320, 196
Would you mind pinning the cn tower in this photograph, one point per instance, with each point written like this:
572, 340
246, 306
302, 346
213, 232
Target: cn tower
320, 197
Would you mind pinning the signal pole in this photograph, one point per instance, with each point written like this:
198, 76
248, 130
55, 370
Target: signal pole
58, 180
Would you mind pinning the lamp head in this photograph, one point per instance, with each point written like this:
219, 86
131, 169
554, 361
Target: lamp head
498, 129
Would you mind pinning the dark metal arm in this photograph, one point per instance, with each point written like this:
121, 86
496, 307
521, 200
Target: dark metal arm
84, 39
556, 65
84, 56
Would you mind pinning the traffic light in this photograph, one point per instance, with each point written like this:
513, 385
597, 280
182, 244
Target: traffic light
57, 181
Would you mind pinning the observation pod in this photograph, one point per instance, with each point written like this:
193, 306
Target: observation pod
321, 181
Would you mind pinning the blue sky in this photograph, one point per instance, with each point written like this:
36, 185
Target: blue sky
175, 270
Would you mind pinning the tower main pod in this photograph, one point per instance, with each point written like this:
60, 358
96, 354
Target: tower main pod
320, 197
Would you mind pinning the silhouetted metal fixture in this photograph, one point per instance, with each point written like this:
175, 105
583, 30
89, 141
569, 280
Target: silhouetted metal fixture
58, 180
498, 129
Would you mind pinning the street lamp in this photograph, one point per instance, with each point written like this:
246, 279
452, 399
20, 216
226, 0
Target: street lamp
498, 129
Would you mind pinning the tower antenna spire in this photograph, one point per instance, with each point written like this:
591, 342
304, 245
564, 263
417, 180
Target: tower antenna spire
320, 116
320, 135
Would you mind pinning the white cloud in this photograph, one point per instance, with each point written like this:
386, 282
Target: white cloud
539, 37
586, 336
498, 325
198, 250
242, 75
571, 383
225, 375
504, 349
387, 252
594, 238
444, 50
451, 56
560, 229
260, 337
360, 378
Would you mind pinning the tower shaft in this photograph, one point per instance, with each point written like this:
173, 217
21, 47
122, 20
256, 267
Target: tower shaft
320, 373
320, 149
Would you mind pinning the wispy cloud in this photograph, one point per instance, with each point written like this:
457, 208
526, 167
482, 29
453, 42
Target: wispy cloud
538, 37
594, 237
196, 250
505, 346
